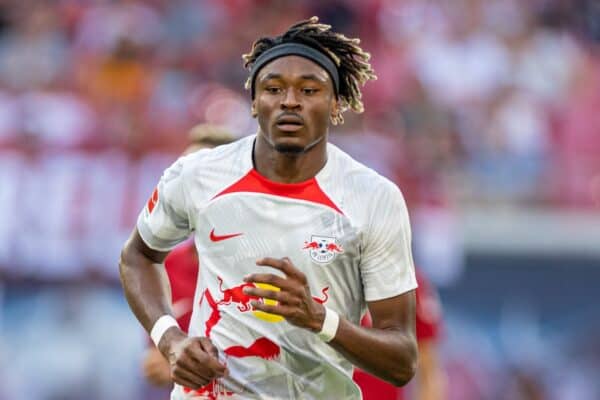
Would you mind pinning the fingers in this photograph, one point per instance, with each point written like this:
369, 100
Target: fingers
285, 265
270, 279
208, 347
294, 277
277, 295
197, 357
277, 309
188, 379
197, 363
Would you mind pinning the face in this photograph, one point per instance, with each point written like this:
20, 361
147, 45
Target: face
294, 99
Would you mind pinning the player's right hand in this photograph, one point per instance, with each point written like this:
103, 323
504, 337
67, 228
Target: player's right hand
194, 361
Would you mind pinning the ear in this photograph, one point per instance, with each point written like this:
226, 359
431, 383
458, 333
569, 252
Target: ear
253, 109
335, 107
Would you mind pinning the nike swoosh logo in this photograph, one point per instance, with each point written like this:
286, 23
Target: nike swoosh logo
218, 238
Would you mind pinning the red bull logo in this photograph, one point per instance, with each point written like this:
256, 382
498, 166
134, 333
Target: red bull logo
323, 249
261, 347
311, 245
334, 248
235, 294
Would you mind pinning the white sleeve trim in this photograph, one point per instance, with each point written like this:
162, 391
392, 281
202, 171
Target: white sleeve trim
147, 237
382, 296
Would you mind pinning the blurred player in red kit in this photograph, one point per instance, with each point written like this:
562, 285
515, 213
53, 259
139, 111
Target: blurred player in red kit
430, 379
182, 265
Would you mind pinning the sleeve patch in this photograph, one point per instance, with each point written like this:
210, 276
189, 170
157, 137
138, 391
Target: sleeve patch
152, 200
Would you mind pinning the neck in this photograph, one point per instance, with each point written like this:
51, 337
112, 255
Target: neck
289, 167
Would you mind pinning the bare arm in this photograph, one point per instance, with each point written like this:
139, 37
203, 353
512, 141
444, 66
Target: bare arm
388, 350
144, 281
431, 381
193, 361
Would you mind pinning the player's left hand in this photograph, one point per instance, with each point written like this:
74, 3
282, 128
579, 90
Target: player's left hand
294, 301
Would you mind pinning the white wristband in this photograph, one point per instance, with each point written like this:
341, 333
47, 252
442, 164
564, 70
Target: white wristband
330, 325
160, 327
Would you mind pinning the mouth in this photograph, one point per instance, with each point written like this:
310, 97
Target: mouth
289, 123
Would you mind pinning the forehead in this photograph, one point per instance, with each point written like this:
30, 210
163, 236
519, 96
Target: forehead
293, 67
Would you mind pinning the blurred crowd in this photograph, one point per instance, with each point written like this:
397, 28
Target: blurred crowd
477, 103
485, 101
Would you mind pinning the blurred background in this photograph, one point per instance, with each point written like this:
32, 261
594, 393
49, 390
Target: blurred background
486, 114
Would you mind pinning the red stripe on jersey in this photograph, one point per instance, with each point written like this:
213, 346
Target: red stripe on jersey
308, 190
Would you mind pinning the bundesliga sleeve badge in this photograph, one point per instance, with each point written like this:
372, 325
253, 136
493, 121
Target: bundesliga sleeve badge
152, 201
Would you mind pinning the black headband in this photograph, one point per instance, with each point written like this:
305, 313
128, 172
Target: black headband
297, 49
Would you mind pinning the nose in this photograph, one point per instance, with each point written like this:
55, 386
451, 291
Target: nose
290, 100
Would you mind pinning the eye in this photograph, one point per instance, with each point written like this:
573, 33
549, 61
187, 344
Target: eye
309, 91
273, 89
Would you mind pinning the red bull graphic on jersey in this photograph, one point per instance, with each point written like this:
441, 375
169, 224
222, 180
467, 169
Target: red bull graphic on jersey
325, 297
261, 347
236, 295
213, 391
323, 249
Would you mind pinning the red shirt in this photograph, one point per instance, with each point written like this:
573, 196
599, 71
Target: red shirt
427, 326
182, 268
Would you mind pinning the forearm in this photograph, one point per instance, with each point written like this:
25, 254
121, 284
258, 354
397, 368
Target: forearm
389, 354
431, 379
388, 350
145, 285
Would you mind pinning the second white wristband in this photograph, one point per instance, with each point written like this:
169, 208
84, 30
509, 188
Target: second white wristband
160, 327
330, 325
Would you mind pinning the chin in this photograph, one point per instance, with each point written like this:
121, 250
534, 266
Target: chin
290, 145
288, 148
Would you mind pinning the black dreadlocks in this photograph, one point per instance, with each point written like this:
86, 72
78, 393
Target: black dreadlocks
351, 60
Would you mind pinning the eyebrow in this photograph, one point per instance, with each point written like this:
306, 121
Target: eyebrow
312, 77
270, 75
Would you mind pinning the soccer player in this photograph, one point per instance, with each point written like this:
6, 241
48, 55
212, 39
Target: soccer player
295, 239
182, 264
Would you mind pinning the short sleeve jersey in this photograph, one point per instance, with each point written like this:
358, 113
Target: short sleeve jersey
346, 229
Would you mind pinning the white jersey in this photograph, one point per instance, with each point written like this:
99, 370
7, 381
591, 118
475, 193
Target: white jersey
347, 229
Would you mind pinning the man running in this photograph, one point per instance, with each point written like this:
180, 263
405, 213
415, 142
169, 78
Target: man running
295, 238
